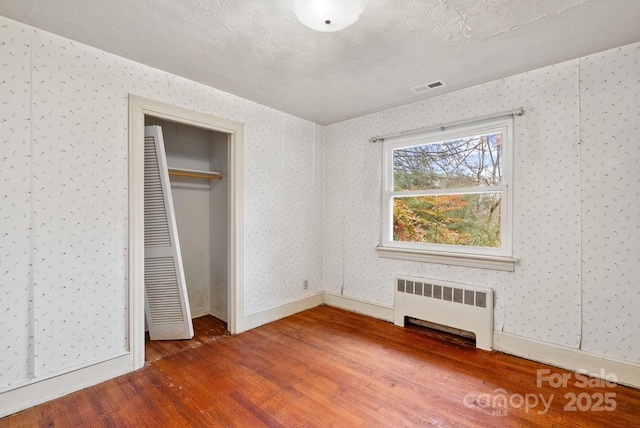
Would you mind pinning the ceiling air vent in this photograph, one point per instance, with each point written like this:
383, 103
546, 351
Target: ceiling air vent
427, 86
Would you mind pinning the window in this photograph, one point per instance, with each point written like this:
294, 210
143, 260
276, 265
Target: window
448, 191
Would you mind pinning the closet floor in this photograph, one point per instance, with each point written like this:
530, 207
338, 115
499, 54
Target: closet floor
206, 329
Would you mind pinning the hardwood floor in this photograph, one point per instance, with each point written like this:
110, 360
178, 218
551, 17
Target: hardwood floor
329, 368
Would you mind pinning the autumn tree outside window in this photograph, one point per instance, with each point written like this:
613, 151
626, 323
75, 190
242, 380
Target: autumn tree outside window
449, 190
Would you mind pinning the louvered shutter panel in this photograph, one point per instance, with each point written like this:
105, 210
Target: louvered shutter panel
166, 300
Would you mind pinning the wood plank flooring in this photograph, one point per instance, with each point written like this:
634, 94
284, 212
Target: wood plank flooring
326, 367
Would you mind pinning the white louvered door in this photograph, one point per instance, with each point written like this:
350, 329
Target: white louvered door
166, 300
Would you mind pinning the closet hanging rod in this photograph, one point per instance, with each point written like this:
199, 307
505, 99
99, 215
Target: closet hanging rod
179, 172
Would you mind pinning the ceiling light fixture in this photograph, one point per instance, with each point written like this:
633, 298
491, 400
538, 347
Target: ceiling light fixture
327, 15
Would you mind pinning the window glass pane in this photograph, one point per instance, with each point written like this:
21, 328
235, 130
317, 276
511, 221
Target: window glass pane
465, 162
469, 219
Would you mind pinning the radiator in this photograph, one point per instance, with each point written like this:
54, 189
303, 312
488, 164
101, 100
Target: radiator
461, 306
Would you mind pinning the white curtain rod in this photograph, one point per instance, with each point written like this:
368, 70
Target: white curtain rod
443, 126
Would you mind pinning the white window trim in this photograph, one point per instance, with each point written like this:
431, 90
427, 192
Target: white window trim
479, 257
446, 258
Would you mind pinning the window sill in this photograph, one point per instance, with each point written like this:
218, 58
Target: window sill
452, 259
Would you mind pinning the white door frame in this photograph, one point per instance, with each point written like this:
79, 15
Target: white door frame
138, 108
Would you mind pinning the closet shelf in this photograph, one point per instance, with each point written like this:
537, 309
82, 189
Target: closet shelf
194, 173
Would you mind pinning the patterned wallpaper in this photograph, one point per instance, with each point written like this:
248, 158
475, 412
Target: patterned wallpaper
574, 284
65, 247
543, 298
79, 124
15, 199
610, 194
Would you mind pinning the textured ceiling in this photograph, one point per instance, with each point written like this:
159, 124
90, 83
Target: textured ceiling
259, 51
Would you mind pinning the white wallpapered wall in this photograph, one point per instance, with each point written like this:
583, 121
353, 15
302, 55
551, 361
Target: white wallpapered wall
575, 205
79, 177
610, 166
15, 200
66, 103
542, 298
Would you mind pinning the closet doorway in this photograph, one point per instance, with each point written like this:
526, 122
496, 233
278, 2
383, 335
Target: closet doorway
208, 211
201, 206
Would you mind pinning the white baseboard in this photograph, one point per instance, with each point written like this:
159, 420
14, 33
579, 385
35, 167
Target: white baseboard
204, 312
281, 311
352, 304
39, 391
626, 372
199, 313
219, 315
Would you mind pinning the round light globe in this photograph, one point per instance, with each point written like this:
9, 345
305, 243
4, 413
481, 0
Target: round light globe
327, 15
